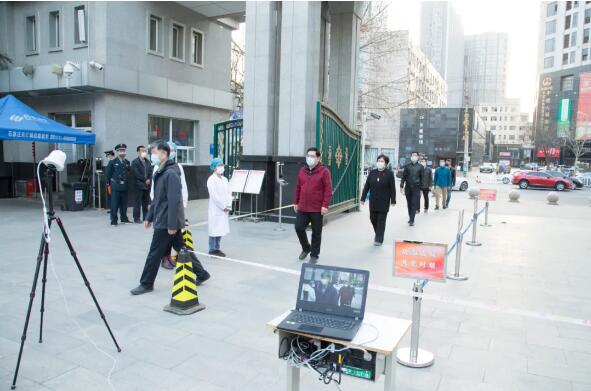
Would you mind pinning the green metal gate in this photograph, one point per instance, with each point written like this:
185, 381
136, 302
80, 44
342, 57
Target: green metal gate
339, 147
227, 144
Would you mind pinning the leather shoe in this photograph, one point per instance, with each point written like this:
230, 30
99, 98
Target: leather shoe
303, 255
140, 290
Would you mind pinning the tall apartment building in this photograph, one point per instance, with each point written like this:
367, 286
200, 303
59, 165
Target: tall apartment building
402, 77
485, 68
505, 121
442, 41
143, 71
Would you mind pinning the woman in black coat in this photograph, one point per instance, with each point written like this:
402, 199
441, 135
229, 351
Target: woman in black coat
382, 188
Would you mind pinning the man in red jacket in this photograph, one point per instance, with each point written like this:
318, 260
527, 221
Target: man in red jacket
312, 198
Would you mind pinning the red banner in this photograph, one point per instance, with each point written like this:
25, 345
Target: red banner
420, 261
488, 195
583, 131
551, 152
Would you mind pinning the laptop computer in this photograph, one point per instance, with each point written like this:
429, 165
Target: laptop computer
330, 302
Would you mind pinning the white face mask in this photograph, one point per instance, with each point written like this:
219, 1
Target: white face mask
143, 154
414, 158
310, 161
155, 159
380, 165
441, 164
423, 164
324, 281
219, 169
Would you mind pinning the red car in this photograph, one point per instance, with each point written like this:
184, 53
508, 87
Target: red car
525, 179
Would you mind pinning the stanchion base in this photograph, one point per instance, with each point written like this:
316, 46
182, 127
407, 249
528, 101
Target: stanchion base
424, 358
486, 225
459, 277
476, 244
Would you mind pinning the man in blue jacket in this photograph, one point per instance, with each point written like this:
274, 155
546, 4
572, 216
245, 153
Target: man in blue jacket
441, 181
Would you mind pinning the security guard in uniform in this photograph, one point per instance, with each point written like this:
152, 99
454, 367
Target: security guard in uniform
117, 177
410, 186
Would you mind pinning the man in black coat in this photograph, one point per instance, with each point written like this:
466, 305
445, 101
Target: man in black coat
426, 185
410, 186
117, 174
381, 185
167, 215
142, 174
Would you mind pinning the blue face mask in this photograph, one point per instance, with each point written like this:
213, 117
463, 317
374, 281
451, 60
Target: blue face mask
172, 155
155, 159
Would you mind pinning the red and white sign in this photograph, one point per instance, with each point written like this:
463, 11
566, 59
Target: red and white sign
551, 152
420, 261
488, 195
505, 154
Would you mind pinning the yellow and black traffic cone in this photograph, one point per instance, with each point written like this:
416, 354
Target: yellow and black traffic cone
188, 239
184, 290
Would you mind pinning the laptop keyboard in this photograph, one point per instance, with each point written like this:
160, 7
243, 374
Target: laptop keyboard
323, 321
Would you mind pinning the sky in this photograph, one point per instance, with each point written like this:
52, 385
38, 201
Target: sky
518, 18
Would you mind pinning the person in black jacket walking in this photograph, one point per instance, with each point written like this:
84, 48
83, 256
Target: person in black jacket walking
426, 186
117, 173
381, 186
167, 215
142, 174
410, 186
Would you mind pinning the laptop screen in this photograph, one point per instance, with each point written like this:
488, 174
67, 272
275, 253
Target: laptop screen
333, 290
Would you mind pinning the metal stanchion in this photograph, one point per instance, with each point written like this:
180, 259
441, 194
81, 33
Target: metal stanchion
459, 239
413, 356
486, 224
282, 182
473, 242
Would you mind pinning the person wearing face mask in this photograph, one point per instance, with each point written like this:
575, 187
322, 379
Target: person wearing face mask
410, 186
442, 182
325, 291
220, 204
142, 173
426, 185
117, 174
381, 186
109, 155
312, 198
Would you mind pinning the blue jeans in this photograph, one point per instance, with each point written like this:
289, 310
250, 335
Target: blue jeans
214, 243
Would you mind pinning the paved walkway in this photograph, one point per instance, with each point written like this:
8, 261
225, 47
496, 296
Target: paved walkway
488, 333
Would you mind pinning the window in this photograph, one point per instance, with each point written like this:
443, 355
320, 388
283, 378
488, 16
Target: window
31, 39
567, 22
566, 41
154, 34
572, 57
586, 36
585, 54
494, 127
569, 5
511, 137
575, 20
551, 9
564, 58
587, 15
55, 36
549, 45
197, 46
80, 120
550, 27
80, 26
511, 127
181, 131
493, 118
485, 109
567, 83
177, 41
573, 39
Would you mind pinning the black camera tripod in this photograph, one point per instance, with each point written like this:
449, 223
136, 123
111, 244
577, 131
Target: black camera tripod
42, 257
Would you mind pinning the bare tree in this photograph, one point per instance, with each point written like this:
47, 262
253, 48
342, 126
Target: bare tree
576, 146
237, 73
5, 61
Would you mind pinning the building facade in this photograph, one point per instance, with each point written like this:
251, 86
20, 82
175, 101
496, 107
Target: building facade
505, 120
404, 78
438, 133
485, 69
170, 80
442, 41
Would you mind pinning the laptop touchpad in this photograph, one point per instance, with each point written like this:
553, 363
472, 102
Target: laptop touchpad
313, 329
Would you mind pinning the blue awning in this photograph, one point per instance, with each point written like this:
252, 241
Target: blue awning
19, 122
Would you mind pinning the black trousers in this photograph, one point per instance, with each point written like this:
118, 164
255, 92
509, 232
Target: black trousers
378, 220
413, 201
160, 246
142, 199
302, 221
118, 203
425, 198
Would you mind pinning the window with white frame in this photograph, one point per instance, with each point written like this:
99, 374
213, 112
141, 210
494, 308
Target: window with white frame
154, 34
80, 26
177, 41
55, 30
197, 47
180, 131
31, 34
549, 45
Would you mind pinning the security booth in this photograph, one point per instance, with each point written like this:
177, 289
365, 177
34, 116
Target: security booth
20, 123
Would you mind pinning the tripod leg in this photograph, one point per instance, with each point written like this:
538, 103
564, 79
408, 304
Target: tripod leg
31, 297
43, 281
73, 253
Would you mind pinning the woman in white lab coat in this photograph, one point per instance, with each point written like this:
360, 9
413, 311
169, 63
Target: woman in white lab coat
220, 204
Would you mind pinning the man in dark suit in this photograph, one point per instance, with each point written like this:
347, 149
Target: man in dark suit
142, 174
410, 186
326, 293
117, 177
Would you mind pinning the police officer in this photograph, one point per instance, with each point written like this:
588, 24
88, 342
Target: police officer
410, 186
117, 177
109, 155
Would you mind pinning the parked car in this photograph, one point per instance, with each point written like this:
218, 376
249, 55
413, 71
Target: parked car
508, 178
560, 174
525, 179
487, 168
584, 178
461, 184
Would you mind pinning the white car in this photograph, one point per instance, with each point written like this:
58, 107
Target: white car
508, 178
461, 184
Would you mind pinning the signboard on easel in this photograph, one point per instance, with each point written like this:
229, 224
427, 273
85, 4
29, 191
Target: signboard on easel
238, 181
420, 260
254, 182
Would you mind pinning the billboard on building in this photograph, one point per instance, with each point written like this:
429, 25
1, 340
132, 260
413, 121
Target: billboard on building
551, 152
583, 131
563, 123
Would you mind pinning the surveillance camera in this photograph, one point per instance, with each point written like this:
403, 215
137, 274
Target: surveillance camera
69, 68
96, 65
